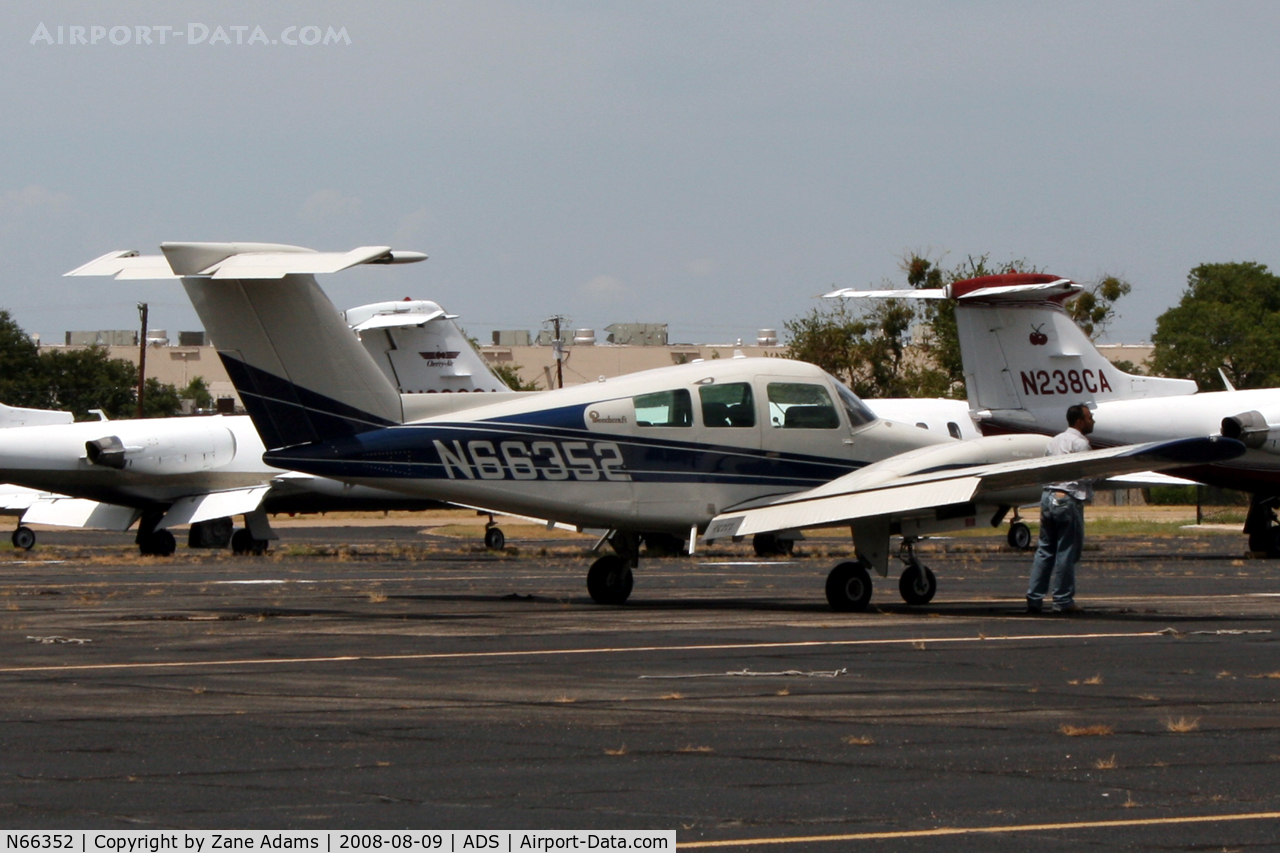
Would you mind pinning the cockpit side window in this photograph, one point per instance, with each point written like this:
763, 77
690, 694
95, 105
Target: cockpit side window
729, 405
664, 409
857, 410
796, 405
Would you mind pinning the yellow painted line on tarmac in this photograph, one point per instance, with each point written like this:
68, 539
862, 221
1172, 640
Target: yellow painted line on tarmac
528, 653
982, 830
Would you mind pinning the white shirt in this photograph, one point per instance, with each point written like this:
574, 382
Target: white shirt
1070, 441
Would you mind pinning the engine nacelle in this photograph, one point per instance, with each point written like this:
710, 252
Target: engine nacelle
176, 447
1252, 430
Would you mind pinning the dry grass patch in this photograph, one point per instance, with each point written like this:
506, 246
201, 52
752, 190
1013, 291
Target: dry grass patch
786, 691
858, 740
622, 750
1096, 679
695, 750
1181, 725
1095, 730
1106, 763
672, 696
918, 645
377, 597
565, 700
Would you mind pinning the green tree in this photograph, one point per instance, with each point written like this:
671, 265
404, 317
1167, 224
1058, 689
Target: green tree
197, 391
83, 379
1228, 317
1095, 307
19, 365
510, 376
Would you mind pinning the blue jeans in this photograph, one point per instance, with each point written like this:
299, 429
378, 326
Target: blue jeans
1061, 541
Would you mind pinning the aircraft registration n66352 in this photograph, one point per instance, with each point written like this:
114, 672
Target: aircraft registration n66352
723, 449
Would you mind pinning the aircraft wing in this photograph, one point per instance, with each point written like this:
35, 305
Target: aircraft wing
840, 503
80, 512
196, 508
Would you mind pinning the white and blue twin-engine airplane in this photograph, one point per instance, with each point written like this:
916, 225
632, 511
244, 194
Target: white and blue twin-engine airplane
725, 448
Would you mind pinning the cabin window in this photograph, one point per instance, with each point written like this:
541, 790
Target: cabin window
922, 425
664, 409
794, 405
953, 428
728, 405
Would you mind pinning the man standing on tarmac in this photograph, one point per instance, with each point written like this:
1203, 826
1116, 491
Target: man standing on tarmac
1062, 523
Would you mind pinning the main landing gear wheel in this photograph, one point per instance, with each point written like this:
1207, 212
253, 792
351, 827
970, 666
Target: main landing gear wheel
609, 580
157, 543
1019, 536
849, 587
24, 539
769, 545
242, 542
917, 584
495, 539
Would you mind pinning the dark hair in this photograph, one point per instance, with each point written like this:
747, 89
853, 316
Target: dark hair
1075, 413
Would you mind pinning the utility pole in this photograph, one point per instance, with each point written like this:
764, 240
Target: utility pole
142, 356
557, 348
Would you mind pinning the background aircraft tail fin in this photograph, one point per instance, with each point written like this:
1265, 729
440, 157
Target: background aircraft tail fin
421, 349
1026, 360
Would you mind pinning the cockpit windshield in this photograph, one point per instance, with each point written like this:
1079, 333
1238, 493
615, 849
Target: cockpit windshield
858, 413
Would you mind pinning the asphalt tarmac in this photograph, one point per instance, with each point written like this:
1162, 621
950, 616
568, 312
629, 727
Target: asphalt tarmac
381, 678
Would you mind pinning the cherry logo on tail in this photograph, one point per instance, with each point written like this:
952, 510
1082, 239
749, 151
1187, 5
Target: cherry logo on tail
1039, 338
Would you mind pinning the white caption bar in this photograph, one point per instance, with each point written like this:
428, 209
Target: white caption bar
437, 841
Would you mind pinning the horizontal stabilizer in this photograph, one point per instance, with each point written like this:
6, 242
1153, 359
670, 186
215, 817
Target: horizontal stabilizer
850, 293
78, 512
245, 261
196, 508
397, 321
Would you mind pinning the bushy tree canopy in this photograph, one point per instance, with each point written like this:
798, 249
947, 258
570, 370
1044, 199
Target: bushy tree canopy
78, 380
1228, 317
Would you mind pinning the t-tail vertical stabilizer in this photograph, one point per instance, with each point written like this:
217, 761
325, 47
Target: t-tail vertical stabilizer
302, 374
1025, 359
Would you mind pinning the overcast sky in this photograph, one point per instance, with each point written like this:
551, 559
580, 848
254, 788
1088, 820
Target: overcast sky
713, 166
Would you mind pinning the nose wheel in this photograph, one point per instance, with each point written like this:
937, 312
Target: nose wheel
918, 582
494, 538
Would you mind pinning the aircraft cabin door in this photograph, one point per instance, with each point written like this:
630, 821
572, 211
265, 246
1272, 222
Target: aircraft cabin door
805, 427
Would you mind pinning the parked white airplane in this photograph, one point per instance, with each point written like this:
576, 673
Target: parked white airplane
665, 450
1026, 361
200, 471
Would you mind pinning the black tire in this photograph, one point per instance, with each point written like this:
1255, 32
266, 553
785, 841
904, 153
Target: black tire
24, 539
158, 543
849, 588
495, 539
242, 542
917, 587
609, 580
770, 545
1019, 536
